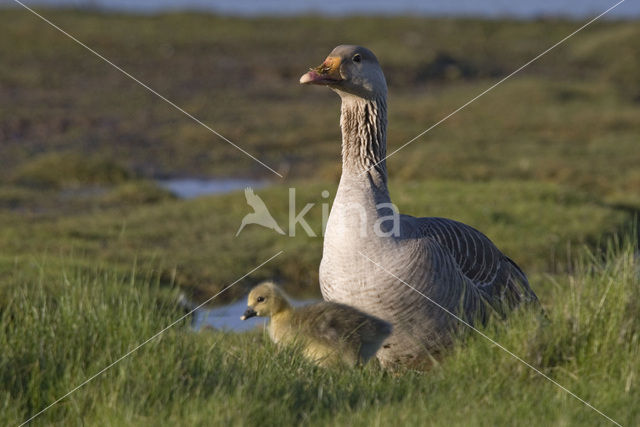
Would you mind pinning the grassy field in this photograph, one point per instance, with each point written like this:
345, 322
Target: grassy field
56, 334
570, 118
93, 254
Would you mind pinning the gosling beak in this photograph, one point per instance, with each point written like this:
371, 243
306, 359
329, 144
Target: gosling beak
326, 74
249, 313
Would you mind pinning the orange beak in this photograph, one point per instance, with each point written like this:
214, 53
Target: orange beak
326, 74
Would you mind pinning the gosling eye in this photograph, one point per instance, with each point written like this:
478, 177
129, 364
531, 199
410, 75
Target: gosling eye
260, 299
357, 57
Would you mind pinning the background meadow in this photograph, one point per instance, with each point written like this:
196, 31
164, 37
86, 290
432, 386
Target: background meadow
94, 253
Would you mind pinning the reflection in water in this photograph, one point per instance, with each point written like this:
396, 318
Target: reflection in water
228, 317
487, 8
188, 188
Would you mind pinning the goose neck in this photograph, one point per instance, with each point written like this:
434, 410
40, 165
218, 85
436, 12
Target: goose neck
364, 127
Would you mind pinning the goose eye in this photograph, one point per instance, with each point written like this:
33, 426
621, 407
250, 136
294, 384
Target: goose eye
357, 57
260, 299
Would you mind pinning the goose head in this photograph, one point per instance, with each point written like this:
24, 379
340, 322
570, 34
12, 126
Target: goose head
349, 70
265, 300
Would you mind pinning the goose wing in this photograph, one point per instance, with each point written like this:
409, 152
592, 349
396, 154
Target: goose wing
492, 272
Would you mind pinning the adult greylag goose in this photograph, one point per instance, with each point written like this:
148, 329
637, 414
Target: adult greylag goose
329, 333
454, 265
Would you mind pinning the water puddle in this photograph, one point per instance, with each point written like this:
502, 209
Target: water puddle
489, 8
227, 317
188, 188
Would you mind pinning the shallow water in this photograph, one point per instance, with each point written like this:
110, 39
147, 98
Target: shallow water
526, 9
188, 188
227, 317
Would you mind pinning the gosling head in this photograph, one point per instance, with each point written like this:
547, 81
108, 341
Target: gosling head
266, 300
350, 70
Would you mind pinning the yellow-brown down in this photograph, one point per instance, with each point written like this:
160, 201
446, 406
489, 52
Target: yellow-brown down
329, 333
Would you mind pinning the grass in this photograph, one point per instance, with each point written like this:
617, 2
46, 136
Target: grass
547, 220
93, 254
68, 170
57, 333
241, 77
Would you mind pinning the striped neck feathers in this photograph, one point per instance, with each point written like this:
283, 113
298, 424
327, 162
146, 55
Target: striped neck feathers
364, 136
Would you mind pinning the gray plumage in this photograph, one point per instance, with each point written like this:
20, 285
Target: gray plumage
451, 263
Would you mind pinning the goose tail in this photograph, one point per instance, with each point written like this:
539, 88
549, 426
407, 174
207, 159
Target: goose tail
517, 291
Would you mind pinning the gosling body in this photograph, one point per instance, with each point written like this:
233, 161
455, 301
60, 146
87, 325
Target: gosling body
329, 333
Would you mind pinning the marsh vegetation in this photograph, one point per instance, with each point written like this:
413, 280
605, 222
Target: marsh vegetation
93, 254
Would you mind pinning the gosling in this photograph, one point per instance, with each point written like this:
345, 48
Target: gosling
329, 333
